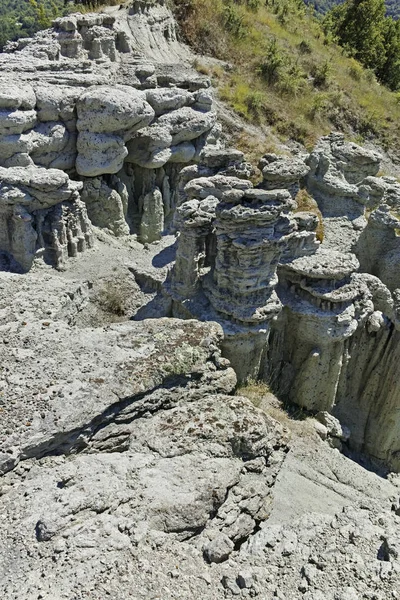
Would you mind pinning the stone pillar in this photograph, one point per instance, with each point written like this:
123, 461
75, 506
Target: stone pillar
23, 237
251, 234
282, 172
194, 220
152, 222
324, 304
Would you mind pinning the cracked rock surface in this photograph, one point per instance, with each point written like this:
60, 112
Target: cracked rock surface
132, 463
118, 438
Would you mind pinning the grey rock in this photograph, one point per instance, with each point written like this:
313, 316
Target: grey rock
333, 426
165, 100
122, 446
218, 549
16, 121
152, 223
106, 207
337, 172
280, 172
41, 211
186, 124
99, 153
113, 110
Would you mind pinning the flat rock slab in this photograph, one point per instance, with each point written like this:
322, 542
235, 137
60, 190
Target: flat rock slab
59, 383
53, 299
141, 512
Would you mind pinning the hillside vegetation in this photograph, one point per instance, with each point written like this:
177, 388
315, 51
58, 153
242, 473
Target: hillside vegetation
23, 18
323, 6
285, 72
280, 68
363, 30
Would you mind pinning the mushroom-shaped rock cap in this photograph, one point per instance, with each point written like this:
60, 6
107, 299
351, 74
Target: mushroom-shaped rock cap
112, 109
282, 171
196, 213
325, 264
351, 152
220, 157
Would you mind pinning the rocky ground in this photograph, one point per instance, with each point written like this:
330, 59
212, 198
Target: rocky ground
132, 465
162, 483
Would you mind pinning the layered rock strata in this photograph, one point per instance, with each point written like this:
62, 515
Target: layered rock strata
337, 173
324, 304
92, 132
379, 245
81, 98
40, 209
295, 313
232, 237
133, 428
122, 447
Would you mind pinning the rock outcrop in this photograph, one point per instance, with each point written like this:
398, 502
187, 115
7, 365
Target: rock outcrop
132, 428
130, 463
93, 132
312, 319
40, 210
80, 98
232, 238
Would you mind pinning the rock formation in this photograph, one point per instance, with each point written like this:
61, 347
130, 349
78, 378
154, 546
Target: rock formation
313, 320
94, 133
130, 464
232, 238
41, 210
82, 100
123, 448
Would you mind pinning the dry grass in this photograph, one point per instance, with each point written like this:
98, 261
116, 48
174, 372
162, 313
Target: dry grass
254, 391
113, 298
306, 203
286, 73
293, 419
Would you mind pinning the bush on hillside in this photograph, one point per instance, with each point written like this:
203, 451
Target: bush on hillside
363, 30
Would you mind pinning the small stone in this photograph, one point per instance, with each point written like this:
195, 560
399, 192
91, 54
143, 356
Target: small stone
218, 549
245, 579
321, 430
59, 546
230, 584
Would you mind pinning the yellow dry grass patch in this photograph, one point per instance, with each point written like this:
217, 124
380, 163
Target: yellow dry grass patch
293, 419
315, 88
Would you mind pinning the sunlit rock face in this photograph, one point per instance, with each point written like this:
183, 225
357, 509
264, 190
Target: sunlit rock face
101, 125
81, 98
309, 318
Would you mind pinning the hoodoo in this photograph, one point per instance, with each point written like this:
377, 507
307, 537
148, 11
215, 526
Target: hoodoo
161, 301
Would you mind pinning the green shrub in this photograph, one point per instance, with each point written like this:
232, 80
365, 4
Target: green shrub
113, 298
321, 72
272, 63
291, 81
305, 47
255, 102
253, 5
318, 105
234, 21
355, 70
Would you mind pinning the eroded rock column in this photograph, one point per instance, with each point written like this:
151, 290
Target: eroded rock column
323, 307
337, 173
250, 234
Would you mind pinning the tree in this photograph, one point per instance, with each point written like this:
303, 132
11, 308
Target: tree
389, 71
359, 26
362, 28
